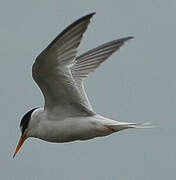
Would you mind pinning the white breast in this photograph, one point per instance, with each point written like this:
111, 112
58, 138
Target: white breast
45, 126
70, 129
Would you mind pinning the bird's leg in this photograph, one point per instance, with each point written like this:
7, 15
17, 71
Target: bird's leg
110, 128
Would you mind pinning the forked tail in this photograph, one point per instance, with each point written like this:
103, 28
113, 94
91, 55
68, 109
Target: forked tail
123, 125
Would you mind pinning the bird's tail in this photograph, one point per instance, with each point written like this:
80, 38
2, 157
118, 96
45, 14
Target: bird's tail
124, 125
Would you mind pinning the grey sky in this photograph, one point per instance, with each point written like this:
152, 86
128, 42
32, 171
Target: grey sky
137, 84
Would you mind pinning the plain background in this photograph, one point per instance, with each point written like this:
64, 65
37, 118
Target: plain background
136, 84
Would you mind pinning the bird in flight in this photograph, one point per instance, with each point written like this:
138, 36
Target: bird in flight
58, 71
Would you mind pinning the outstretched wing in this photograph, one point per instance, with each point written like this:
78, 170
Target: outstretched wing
90, 60
51, 71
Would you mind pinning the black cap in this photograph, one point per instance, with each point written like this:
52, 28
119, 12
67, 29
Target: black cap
25, 120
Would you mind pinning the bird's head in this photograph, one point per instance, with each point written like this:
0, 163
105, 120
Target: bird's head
24, 124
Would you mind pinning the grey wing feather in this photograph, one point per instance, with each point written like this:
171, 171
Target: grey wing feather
89, 61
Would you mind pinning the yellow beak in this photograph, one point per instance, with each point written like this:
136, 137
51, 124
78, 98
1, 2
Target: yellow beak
20, 143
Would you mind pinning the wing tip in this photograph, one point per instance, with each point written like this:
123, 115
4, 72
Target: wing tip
123, 40
87, 16
90, 14
128, 38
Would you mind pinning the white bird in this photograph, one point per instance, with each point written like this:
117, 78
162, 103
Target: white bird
67, 114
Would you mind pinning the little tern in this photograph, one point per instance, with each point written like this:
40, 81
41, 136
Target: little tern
67, 114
